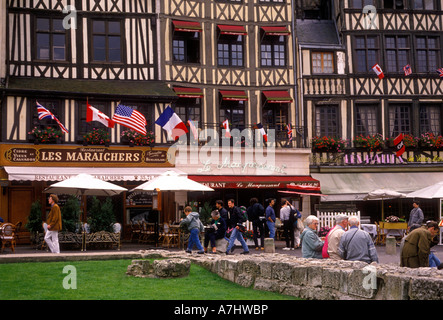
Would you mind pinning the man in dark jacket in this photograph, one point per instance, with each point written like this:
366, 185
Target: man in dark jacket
256, 214
417, 246
216, 231
223, 212
234, 222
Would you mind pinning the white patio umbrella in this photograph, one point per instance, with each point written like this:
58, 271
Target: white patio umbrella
382, 194
85, 185
434, 191
172, 181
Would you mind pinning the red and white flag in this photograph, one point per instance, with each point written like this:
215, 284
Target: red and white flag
378, 71
93, 114
193, 129
399, 145
227, 130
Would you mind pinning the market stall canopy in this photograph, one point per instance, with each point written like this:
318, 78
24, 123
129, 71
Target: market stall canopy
172, 181
85, 184
356, 186
434, 191
382, 194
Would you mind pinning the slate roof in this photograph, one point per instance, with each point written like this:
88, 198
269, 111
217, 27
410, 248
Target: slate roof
317, 33
80, 87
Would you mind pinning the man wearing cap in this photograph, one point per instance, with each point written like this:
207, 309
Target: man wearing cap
54, 223
335, 235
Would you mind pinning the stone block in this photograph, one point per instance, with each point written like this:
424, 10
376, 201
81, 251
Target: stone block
269, 245
391, 246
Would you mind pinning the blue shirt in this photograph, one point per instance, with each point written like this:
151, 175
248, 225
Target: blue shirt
270, 213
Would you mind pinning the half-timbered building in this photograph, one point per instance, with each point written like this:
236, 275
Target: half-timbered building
378, 80
65, 54
235, 61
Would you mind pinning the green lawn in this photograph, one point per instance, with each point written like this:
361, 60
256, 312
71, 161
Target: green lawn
107, 280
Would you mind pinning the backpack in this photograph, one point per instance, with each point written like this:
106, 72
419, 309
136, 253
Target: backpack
324, 251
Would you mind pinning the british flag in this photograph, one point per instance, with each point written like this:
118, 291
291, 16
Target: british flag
440, 72
289, 128
407, 69
44, 113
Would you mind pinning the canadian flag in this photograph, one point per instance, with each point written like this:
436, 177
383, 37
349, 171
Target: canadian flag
378, 71
227, 130
93, 114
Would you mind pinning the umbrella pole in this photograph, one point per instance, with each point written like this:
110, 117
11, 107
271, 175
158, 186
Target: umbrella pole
382, 211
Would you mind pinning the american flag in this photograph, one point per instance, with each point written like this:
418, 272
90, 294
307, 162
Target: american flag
440, 72
44, 113
289, 132
130, 118
193, 129
407, 69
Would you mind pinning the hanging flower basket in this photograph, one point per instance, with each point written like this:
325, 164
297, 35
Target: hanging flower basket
46, 135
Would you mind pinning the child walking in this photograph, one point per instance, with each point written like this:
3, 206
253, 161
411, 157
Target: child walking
195, 226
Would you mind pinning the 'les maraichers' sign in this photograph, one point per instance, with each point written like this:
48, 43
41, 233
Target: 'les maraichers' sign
88, 155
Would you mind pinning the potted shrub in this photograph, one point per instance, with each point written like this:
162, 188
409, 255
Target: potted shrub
328, 144
97, 137
45, 135
34, 224
71, 215
101, 216
137, 139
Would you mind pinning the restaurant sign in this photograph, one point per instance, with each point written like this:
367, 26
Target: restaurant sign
85, 156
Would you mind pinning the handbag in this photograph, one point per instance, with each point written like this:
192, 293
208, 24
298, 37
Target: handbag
300, 225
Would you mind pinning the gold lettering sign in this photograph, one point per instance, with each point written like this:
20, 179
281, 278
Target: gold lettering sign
85, 156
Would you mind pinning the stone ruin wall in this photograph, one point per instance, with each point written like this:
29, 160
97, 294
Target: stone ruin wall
319, 279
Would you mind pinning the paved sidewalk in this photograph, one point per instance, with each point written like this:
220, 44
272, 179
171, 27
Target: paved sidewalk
24, 253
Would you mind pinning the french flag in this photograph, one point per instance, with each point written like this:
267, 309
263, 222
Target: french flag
171, 122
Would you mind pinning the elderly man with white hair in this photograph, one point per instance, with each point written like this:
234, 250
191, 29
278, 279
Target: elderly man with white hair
356, 244
311, 244
334, 236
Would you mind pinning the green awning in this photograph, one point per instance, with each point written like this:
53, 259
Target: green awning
155, 90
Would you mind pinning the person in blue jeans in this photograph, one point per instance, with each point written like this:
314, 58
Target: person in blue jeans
270, 218
195, 226
234, 220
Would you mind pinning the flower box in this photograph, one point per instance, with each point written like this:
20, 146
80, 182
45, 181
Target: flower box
46, 135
